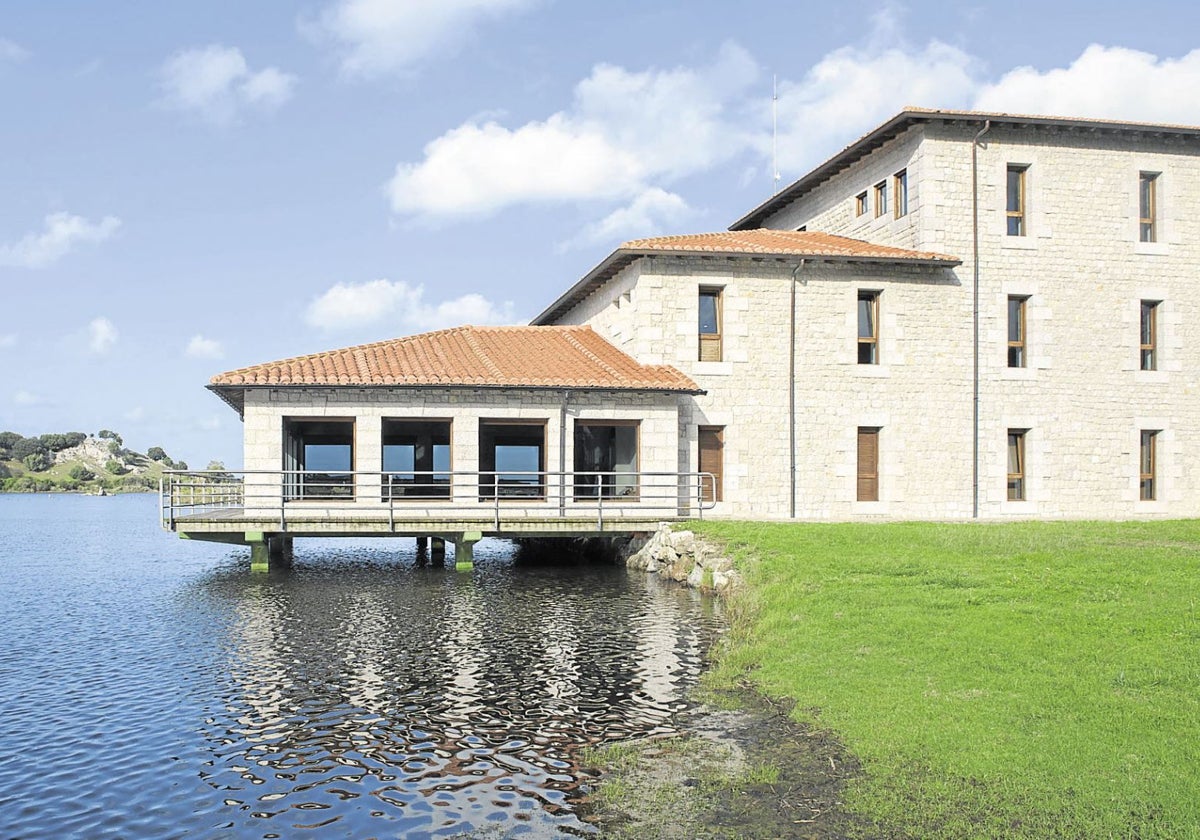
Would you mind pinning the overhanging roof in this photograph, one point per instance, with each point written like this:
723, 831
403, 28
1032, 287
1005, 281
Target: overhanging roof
575, 358
909, 117
755, 244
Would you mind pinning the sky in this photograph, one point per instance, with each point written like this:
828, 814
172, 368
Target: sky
191, 187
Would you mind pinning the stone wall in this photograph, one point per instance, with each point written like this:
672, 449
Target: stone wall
683, 557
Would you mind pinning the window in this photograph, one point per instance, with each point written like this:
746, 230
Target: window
1016, 465
860, 203
1149, 466
1148, 207
880, 199
868, 328
1016, 331
868, 464
1148, 349
900, 192
606, 459
416, 459
1015, 205
512, 459
318, 458
712, 462
710, 325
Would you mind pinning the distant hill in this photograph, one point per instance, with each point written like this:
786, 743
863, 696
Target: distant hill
80, 463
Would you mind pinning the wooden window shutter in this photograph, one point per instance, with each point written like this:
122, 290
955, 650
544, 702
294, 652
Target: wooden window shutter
868, 464
712, 460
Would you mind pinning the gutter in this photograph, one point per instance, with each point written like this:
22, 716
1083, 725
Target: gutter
792, 390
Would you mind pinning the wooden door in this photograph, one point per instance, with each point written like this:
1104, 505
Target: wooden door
712, 460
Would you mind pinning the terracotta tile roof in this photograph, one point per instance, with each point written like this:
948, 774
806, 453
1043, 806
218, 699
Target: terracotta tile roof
779, 244
534, 357
911, 116
790, 243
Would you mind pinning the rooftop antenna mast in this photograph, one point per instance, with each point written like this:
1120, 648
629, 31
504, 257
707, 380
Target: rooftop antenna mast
774, 134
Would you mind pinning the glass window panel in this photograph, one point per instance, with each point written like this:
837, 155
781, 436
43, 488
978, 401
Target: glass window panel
1014, 453
708, 314
1015, 178
1015, 306
866, 317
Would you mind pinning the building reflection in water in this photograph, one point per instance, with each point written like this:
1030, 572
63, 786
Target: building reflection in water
358, 692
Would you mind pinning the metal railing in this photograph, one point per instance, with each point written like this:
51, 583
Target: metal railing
305, 496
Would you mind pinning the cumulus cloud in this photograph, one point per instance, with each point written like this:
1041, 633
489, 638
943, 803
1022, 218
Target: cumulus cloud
102, 335
350, 305
60, 234
651, 213
204, 348
380, 37
1105, 82
26, 398
624, 131
217, 84
12, 51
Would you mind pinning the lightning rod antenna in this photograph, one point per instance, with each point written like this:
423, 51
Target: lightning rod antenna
774, 134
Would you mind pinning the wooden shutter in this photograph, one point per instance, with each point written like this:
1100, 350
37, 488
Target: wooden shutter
710, 348
712, 460
868, 464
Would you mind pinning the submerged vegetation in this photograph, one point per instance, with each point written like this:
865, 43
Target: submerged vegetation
1021, 680
78, 462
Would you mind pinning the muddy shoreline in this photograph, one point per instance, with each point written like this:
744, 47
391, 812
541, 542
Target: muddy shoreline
742, 768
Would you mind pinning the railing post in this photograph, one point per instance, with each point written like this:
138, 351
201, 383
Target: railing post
599, 502
496, 498
391, 503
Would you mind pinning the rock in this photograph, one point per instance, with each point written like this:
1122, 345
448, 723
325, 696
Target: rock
695, 578
684, 542
652, 566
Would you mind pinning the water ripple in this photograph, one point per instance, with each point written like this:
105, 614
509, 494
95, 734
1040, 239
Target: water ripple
153, 688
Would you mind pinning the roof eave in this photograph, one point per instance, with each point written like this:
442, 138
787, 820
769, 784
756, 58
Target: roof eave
258, 386
609, 266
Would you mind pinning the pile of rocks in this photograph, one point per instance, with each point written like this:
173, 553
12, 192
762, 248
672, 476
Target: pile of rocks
683, 557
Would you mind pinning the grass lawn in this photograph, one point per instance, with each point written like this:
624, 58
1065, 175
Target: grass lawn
1020, 680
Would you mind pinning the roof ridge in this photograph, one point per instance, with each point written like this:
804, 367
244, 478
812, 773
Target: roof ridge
473, 342
575, 342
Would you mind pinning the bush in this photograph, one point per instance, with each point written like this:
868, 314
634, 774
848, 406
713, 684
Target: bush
115, 467
5, 472
9, 439
38, 461
107, 434
81, 473
157, 453
57, 443
25, 447
180, 465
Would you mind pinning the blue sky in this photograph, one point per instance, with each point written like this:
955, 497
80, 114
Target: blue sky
191, 187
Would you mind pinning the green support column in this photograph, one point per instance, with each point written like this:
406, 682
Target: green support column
260, 556
464, 550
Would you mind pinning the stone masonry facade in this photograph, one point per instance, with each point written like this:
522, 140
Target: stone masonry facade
1081, 400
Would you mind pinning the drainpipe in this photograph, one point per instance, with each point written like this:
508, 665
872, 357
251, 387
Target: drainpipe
792, 389
987, 124
562, 454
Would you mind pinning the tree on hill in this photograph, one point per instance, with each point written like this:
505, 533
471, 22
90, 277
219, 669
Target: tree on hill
7, 441
25, 447
38, 461
57, 443
108, 434
81, 473
157, 453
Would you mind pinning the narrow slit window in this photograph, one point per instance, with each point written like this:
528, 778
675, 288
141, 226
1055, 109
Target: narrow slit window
1149, 466
1016, 331
900, 192
710, 325
1148, 206
1148, 348
868, 464
860, 203
868, 328
1016, 465
1015, 205
881, 199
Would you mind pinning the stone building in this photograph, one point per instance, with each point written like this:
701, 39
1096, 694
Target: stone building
1003, 331
959, 315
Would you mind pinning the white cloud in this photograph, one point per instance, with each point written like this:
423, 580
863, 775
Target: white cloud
135, 414
216, 83
8, 340
378, 37
62, 232
12, 51
624, 132
350, 305
1104, 82
652, 212
102, 335
26, 398
854, 88
204, 348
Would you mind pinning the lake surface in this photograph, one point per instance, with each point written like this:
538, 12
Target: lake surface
153, 687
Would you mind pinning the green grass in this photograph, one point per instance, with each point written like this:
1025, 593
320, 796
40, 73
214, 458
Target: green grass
1019, 680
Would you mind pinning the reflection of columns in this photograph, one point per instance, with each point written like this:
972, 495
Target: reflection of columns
437, 551
269, 551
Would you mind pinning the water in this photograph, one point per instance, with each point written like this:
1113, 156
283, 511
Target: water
151, 687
